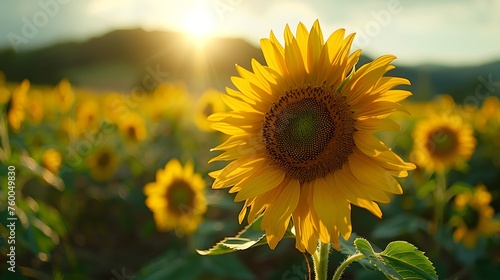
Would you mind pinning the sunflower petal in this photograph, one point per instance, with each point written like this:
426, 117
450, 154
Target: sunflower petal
293, 58
260, 183
278, 214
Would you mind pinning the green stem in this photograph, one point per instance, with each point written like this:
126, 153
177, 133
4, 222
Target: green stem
344, 265
320, 259
439, 204
4, 135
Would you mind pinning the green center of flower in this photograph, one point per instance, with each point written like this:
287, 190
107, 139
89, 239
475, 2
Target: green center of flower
180, 197
442, 142
305, 128
304, 125
309, 132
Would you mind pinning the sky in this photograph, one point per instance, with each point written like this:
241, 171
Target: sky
449, 32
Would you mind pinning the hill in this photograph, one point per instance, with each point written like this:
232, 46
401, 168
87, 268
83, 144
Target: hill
123, 59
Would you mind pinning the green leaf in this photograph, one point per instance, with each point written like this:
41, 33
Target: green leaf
426, 188
251, 236
458, 187
399, 260
364, 247
408, 261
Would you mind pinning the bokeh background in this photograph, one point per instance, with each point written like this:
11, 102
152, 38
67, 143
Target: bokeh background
115, 90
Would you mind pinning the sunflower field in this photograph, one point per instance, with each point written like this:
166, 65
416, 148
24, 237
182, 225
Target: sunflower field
328, 164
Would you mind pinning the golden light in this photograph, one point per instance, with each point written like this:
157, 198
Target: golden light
199, 25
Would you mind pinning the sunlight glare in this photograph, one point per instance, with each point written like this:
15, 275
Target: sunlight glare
199, 24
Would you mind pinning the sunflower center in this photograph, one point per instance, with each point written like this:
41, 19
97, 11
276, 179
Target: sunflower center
305, 128
104, 159
309, 132
180, 197
471, 218
442, 142
132, 132
208, 110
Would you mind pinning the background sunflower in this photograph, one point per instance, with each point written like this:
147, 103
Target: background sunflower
16, 106
103, 163
176, 198
473, 217
443, 142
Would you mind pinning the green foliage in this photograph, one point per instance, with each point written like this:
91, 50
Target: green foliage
399, 260
188, 266
252, 235
398, 225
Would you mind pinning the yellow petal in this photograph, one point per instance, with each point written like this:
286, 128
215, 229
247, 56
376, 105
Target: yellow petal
302, 38
371, 125
306, 236
274, 56
260, 183
324, 203
278, 214
314, 45
293, 59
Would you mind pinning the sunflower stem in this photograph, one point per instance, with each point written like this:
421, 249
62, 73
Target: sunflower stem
345, 264
321, 261
439, 204
4, 135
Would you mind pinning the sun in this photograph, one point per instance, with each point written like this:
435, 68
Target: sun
199, 24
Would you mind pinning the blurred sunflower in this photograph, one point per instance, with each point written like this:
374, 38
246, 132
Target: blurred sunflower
103, 163
301, 137
473, 216
67, 128
87, 116
65, 96
487, 118
16, 106
35, 106
169, 100
51, 160
442, 142
210, 102
177, 198
114, 107
133, 128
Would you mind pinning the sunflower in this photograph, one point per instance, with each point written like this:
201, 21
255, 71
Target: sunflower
51, 160
133, 128
114, 107
65, 95
87, 116
16, 106
442, 142
103, 163
487, 118
301, 137
210, 102
473, 216
169, 100
177, 198
35, 106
